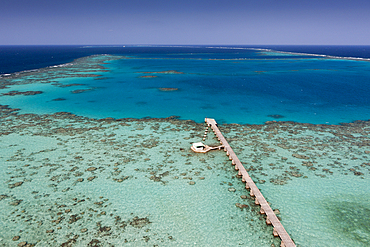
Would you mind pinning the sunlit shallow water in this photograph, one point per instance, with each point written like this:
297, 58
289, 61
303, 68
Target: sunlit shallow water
92, 179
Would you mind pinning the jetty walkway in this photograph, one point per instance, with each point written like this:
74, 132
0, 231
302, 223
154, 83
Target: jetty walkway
271, 218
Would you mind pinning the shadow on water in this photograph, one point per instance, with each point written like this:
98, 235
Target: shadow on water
350, 220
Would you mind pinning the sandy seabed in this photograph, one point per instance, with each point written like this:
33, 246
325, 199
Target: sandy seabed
75, 181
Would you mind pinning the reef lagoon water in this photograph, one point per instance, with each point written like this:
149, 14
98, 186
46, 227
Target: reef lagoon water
95, 151
236, 85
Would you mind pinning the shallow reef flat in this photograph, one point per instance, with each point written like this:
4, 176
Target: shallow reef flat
68, 180
317, 175
86, 67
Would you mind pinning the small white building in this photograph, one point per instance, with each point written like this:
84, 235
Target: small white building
198, 147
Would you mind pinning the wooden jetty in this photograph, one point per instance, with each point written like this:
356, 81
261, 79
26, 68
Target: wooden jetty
271, 218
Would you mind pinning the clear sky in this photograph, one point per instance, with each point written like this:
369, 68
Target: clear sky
212, 22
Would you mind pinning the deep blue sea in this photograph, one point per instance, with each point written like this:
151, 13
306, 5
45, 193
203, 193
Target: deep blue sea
234, 84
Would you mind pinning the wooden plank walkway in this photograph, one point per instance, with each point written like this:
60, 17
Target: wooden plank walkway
279, 230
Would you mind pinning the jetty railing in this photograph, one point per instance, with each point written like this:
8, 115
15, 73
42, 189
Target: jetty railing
271, 218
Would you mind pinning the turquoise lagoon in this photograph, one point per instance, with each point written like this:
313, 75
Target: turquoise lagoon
238, 85
83, 179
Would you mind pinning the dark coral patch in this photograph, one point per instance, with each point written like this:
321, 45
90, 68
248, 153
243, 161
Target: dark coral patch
163, 72
276, 116
139, 222
148, 76
81, 90
27, 93
168, 89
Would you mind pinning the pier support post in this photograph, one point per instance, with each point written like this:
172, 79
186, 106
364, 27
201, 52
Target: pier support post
275, 233
262, 211
256, 202
247, 186
268, 221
